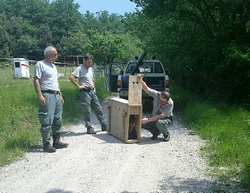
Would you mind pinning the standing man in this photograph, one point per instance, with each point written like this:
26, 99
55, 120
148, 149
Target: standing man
162, 113
50, 100
83, 79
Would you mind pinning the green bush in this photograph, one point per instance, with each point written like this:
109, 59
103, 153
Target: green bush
101, 90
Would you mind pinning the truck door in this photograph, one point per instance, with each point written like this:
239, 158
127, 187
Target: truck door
113, 73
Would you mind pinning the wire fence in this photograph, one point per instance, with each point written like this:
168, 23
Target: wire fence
66, 69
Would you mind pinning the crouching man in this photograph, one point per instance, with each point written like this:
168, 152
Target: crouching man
162, 113
50, 100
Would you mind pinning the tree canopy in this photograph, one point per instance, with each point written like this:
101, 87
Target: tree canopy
205, 44
28, 26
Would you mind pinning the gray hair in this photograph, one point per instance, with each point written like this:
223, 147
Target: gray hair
48, 50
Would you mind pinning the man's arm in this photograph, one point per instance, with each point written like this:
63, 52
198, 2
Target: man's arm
37, 86
144, 85
151, 92
152, 119
75, 81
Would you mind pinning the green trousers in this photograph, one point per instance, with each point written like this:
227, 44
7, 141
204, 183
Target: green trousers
50, 116
89, 101
158, 127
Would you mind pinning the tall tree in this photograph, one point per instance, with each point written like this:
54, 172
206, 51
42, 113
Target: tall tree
204, 43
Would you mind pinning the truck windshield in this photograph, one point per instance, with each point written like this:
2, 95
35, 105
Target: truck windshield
147, 67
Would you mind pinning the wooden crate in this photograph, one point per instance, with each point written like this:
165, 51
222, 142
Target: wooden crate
125, 115
125, 120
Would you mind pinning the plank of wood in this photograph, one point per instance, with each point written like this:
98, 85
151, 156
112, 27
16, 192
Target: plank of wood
135, 90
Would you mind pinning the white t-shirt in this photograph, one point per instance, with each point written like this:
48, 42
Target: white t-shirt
84, 75
47, 75
167, 109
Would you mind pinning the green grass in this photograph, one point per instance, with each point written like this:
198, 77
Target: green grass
19, 125
18, 112
227, 129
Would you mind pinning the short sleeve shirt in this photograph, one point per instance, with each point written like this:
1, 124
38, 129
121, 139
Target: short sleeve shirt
84, 75
166, 110
47, 75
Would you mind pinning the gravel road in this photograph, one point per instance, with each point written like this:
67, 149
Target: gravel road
102, 164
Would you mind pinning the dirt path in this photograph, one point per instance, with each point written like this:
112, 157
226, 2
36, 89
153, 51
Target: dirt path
102, 164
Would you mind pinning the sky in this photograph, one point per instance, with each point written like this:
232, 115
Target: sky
112, 6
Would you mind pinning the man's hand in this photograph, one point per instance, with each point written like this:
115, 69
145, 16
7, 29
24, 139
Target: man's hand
140, 78
42, 100
86, 87
82, 87
150, 119
144, 120
62, 99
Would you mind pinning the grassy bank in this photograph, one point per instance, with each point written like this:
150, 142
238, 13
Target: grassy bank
19, 126
227, 129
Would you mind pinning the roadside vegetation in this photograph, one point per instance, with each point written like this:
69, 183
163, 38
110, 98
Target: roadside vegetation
225, 127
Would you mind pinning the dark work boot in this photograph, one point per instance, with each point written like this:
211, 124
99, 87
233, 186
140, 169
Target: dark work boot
166, 136
154, 137
49, 149
58, 144
104, 127
90, 130
155, 134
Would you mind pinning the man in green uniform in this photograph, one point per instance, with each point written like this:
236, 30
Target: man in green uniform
83, 78
162, 113
50, 100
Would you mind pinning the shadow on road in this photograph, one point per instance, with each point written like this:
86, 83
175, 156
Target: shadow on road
36, 149
174, 184
107, 138
73, 134
58, 191
62, 191
148, 140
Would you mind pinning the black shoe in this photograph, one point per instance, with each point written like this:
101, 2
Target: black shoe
60, 145
166, 137
49, 149
90, 130
104, 126
154, 137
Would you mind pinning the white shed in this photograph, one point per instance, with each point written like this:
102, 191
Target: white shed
20, 68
